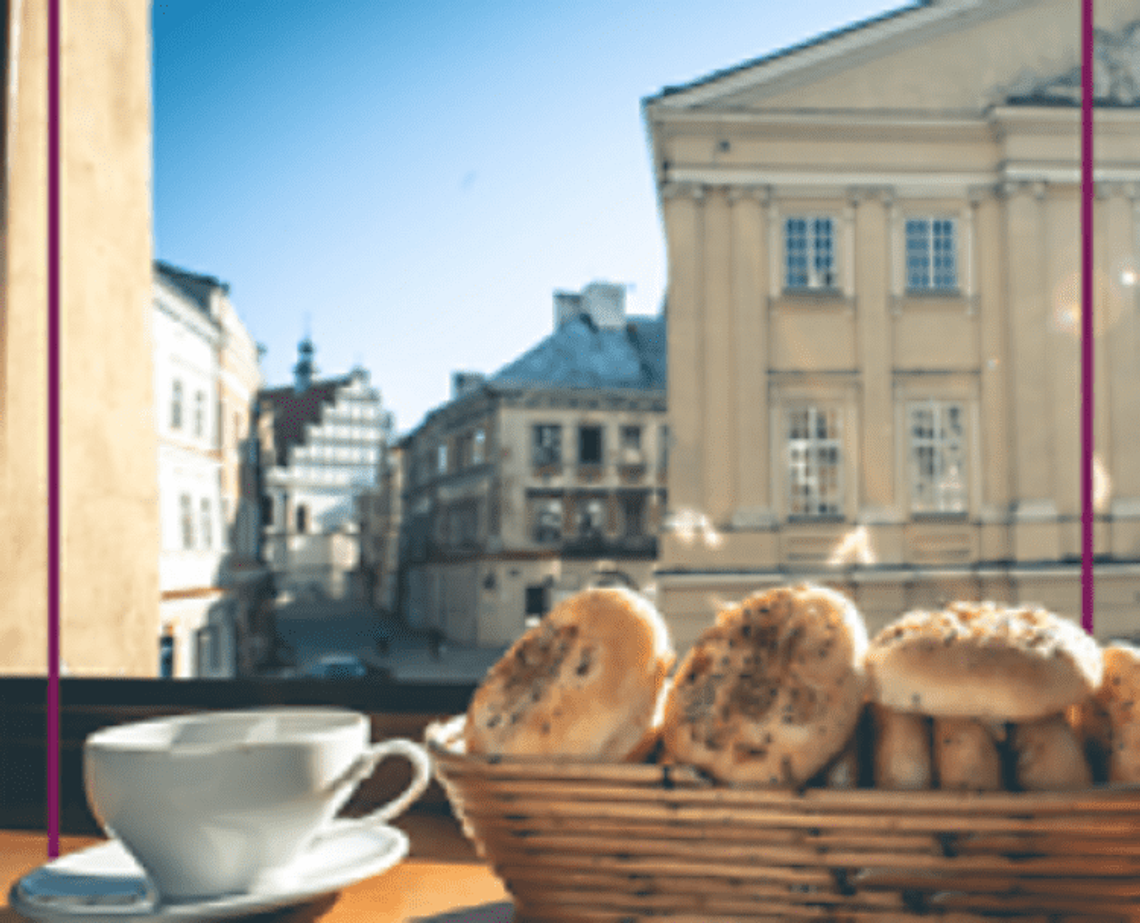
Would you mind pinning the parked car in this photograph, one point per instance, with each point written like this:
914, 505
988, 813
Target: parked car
337, 666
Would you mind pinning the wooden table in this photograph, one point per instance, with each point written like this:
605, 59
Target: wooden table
441, 881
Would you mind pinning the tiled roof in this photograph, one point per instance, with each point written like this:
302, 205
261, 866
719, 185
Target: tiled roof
194, 286
581, 355
293, 411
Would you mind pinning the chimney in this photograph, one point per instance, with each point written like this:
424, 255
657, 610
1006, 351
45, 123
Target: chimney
567, 306
602, 302
463, 383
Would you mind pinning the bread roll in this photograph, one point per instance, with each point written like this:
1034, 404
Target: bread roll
966, 756
1048, 756
902, 750
1110, 721
587, 682
982, 660
772, 691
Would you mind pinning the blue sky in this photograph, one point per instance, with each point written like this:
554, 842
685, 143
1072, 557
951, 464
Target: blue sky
410, 182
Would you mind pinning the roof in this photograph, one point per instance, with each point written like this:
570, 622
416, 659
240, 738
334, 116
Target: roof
195, 287
293, 411
820, 39
581, 355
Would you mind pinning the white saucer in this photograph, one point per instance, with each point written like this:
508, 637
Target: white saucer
104, 884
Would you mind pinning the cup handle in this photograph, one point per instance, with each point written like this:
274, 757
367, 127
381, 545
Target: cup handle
366, 764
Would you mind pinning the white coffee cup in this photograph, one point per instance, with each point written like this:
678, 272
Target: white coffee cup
217, 803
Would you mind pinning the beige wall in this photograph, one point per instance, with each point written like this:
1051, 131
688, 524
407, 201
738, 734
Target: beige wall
869, 140
109, 553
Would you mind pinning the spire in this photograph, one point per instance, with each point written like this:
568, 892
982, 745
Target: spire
304, 370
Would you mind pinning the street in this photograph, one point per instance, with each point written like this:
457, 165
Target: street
312, 627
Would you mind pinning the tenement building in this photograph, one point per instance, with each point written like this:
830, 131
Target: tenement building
874, 249
323, 445
540, 480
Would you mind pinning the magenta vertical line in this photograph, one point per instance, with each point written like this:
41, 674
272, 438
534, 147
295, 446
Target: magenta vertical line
53, 422
1087, 89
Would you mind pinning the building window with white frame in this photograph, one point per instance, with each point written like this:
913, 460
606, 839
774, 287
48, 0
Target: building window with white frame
937, 456
187, 518
176, 404
207, 525
199, 414
815, 458
931, 255
548, 521
809, 252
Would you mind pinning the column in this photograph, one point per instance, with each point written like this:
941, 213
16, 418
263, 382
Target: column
682, 208
874, 339
1117, 350
1028, 323
719, 445
750, 357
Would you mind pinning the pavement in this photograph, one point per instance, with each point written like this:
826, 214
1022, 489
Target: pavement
316, 626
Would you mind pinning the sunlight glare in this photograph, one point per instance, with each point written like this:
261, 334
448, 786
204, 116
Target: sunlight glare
855, 548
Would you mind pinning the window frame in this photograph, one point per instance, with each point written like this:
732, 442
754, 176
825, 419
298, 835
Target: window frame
931, 284
583, 429
186, 518
937, 507
544, 455
812, 282
176, 404
811, 445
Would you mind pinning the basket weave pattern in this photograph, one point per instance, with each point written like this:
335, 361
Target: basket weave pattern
622, 843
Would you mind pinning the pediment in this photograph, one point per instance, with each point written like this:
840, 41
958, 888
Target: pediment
952, 56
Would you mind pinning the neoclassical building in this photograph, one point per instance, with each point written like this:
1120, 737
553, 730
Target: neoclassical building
542, 479
873, 301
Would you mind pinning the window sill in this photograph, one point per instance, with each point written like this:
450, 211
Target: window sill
818, 298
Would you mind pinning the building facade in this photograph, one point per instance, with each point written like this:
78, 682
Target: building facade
540, 480
321, 462
194, 325
873, 300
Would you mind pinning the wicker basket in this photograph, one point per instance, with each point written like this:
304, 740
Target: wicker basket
613, 842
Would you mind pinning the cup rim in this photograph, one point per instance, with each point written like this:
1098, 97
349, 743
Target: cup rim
129, 736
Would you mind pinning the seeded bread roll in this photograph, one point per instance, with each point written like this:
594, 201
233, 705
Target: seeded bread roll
586, 682
982, 660
772, 691
1109, 721
902, 750
1049, 757
966, 756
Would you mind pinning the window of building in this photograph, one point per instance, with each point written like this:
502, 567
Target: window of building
631, 438
547, 445
589, 445
548, 521
937, 456
809, 248
187, 518
166, 656
591, 518
815, 483
931, 255
199, 413
176, 405
633, 515
536, 595
479, 448
441, 458
663, 448
207, 530
302, 517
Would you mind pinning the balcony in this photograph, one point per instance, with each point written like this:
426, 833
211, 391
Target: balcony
604, 546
